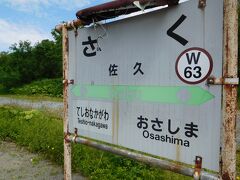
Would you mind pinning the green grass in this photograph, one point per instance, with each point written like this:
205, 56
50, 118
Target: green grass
42, 132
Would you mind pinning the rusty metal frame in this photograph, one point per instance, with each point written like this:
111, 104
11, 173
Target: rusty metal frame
196, 172
67, 144
222, 81
69, 25
229, 104
229, 107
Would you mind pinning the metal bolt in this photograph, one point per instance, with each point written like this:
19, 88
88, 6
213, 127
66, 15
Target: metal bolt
210, 80
202, 4
75, 135
71, 81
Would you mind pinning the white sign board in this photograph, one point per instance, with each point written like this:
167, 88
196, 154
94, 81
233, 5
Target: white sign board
140, 82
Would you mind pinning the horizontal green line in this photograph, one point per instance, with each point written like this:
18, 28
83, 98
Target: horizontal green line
190, 95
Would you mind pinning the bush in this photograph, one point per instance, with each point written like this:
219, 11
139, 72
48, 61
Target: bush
47, 87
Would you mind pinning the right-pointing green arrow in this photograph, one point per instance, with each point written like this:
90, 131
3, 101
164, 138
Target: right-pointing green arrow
190, 95
199, 95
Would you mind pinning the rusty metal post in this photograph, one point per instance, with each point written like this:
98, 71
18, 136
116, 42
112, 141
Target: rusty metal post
67, 144
230, 64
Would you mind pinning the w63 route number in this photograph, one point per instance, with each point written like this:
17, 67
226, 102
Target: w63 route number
188, 72
194, 65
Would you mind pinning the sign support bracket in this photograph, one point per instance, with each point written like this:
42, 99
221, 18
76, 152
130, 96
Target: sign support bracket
223, 81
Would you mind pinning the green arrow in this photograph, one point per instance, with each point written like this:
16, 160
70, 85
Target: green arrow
189, 95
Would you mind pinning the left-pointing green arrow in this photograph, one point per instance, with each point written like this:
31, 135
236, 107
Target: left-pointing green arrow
190, 95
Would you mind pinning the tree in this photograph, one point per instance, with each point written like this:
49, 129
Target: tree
25, 63
48, 60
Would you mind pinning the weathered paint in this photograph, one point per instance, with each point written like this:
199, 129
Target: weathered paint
230, 66
69, 25
67, 144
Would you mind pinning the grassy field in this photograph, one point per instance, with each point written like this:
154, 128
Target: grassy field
42, 132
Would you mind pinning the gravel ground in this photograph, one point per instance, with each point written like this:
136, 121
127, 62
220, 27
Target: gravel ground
18, 163
29, 103
57, 107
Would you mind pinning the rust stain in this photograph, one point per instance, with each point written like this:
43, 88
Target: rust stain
117, 120
229, 127
176, 168
198, 167
228, 155
202, 4
66, 137
67, 144
226, 176
87, 142
178, 153
230, 116
66, 41
225, 67
113, 120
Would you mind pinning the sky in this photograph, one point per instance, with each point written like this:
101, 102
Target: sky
33, 20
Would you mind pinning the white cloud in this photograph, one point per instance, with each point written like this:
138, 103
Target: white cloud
11, 33
38, 7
